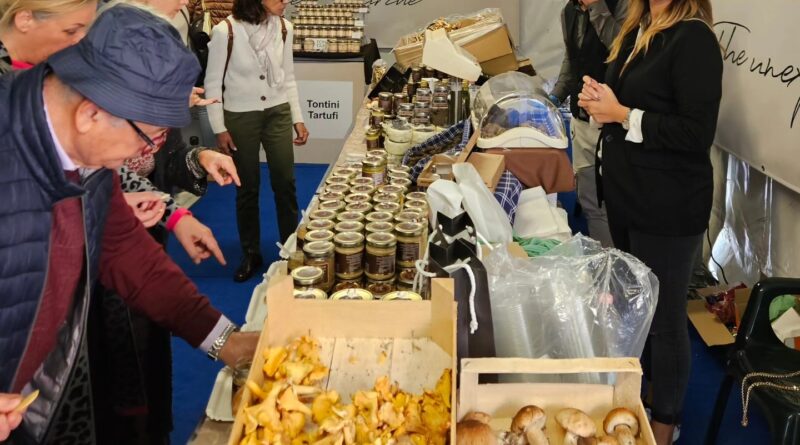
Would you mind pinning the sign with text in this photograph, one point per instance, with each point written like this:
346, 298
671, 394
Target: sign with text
327, 107
759, 120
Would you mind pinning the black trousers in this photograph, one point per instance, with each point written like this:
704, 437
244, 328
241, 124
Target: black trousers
272, 129
667, 355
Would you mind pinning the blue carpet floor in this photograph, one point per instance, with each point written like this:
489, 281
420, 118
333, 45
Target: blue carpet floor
194, 374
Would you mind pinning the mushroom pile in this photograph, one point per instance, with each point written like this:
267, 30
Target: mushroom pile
621, 427
291, 407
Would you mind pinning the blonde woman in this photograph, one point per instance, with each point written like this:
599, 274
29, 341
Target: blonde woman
32, 30
659, 106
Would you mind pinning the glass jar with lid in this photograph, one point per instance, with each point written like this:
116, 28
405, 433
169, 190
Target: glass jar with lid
308, 44
322, 214
354, 46
373, 138
440, 112
334, 206
331, 196
349, 255
381, 253
402, 295
388, 207
377, 154
409, 243
363, 189
423, 94
375, 168
406, 110
350, 216
349, 226
337, 188
380, 198
403, 183
442, 91
379, 227
321, 254
397, 100
379, 288
408, 216
386, 101
336, 180
307, 277
360, 207
361, 181
319, 224
419, 205
357, 197
318, 235
353, 294
417, 196
380, 217
348, 284
377, 118
333, 46
346, 172
392, 190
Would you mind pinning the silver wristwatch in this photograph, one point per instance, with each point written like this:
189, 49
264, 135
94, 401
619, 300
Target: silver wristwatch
216, 347
626, 124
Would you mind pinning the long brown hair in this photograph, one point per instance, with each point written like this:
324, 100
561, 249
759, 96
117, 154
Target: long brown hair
639, 15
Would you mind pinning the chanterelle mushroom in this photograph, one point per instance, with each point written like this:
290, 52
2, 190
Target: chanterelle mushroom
577, 424
529, 423
622, 423
473, 432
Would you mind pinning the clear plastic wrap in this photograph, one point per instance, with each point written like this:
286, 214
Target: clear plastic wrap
577, 301
460, 26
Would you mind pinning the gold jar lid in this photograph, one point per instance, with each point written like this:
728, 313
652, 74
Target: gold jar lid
336, 180
363, 189
362, 181
403, 183
361, 207
416, 204
318, 248
408, 228
349, 239
380, 217
357, 197
337, 188
331, 196
373, 133
391, 189
417, 196
380, 227
386, 197
350, 216
374, 162
322, 214
319, 235
307, 275
408, 216
320, 224
310, 294
349, 226
385, 95
381, 239
352, 294
402, 295
389, 207
378, 113
348, 173
380, 154
334, 206
398, 175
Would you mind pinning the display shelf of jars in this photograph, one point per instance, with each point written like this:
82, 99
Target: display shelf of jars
333, 30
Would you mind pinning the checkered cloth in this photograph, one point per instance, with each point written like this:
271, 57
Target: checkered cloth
451, 141
507, 194
536, 115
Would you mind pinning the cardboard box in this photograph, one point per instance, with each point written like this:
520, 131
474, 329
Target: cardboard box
500, 65
502, 401
491, 45
419, 334
425, 178
711, 330
514, 249
490, 167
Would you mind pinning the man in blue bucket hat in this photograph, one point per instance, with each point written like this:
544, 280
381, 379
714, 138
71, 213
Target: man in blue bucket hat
64, 126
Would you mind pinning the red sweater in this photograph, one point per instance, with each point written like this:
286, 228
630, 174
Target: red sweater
131, 262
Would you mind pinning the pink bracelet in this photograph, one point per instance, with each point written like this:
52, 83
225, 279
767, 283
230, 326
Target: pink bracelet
175, 217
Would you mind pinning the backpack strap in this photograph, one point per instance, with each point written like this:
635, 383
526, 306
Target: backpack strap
283, 30
230, 51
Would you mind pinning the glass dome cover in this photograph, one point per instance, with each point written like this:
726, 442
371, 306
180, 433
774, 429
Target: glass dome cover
512, 111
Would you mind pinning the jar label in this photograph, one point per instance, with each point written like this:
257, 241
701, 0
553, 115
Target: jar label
349, 264
378, 178
380, 265
407, 252
327, 266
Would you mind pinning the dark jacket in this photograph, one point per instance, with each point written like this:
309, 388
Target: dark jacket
119, 252
664, 186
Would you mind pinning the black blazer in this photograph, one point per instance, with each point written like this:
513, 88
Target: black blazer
664, 186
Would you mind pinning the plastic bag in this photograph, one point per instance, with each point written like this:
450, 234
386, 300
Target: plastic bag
488, 215
577, 301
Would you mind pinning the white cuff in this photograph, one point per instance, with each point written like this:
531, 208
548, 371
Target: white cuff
222, 323
635, 127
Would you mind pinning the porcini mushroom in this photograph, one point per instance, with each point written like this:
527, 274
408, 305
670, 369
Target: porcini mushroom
529, 423
623, 424
479, 416
577, 424
473, 432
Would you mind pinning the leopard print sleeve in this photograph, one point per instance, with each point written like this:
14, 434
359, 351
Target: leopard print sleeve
132, 183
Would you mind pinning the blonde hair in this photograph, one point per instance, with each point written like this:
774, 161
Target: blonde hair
639, 15
41, 9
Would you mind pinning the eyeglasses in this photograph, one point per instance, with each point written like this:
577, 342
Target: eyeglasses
153, 146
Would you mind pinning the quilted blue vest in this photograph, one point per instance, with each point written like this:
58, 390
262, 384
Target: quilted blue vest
32, 182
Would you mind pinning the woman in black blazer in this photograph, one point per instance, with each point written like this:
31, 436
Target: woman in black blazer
659, 110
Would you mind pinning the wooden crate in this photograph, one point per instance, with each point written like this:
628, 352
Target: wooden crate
410, 341
502, 401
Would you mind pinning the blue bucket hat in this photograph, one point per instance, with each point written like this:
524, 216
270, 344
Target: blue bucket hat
133, 65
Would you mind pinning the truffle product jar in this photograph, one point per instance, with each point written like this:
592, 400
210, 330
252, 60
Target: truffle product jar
399, 98
307, 277
350, 216
363, 189
373, 138
418, 205
408, 216
392, 190
353, 294
337, 188
348, 173
331, 196
349, 255
319, 235
348, 284
440, 112
381, 253
360, 207
377, 118
379, 288
320, 224
380, 198
406, 275
361, 181
389, 207
349, 226
322, 214
417, 196
321, 254
379, 153
380, 217
357, 197
402, 295
403, 183
310, 294
409, 243
380, 227
375, 168
406, 111
400, 169
334, 206
386, 102
330, 180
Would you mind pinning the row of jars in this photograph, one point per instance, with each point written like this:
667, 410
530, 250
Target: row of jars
314, 4
324, 21
329, 11
333, 46
323, 32
307, 278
